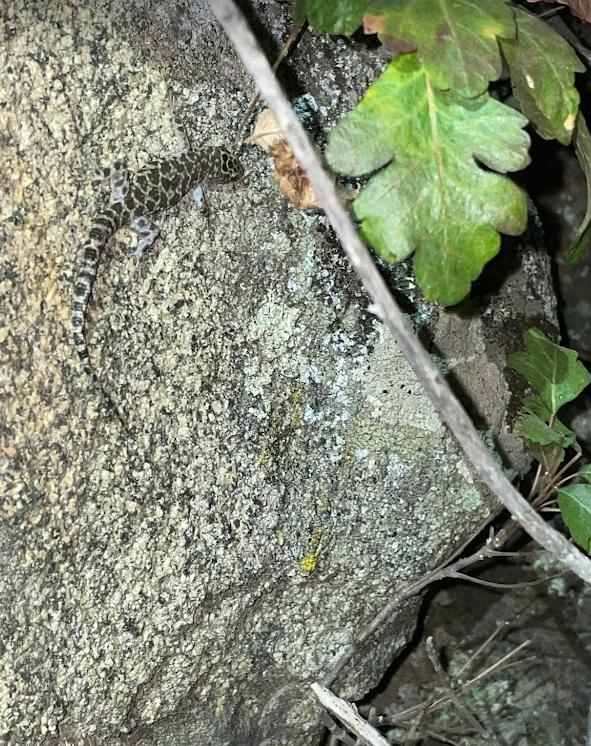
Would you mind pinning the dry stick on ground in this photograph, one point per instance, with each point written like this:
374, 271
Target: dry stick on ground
443, 677
348, 715
433, 383
438, 702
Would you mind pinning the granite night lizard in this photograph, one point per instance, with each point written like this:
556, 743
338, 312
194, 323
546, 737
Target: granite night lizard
135, 198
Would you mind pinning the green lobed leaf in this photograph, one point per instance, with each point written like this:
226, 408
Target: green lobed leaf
433, 197
543, 66
553, 371
574, 502
585, 473
456, 40
332, 16
582, 240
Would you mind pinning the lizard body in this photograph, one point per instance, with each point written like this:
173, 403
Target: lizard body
135, 198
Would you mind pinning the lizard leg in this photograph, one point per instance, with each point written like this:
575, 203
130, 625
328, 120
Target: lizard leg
200, 200
148, 232
119, 178
117, 174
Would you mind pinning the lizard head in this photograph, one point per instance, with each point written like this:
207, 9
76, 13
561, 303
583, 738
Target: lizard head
228, 168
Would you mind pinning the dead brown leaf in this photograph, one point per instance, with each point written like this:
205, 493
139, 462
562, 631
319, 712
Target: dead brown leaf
289, 175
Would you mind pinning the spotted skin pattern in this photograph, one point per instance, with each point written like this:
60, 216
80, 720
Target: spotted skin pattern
136, 197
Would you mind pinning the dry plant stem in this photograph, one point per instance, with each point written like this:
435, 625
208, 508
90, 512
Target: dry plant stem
443, 677
348, 715
433, 383
512, 527
411, 736
534, 486
443, 701
283, 52
482, 648
441, 739
556, 479
499, 586
394, 602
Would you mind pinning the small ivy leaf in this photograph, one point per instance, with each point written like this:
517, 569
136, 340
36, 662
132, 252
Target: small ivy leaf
456, 40
543, 67
332, 16
582, 240
581, 8
531, 427
534, 405
574, 502
432, 197
585, 473
551, 370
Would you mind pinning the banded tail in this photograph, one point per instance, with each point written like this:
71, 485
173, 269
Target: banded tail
103, 228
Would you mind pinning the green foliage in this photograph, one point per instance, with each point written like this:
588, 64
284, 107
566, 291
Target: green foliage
429, 115
534, 406
574, 502
557, 378
585, 473
333, 16
582, 240
432, 196
543, 67
547, 436
456, 40
551, 370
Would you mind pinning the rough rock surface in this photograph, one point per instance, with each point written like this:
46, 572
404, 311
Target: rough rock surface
150, 586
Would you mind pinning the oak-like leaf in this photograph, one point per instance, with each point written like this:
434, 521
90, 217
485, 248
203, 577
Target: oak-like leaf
531, 427
332, 16
433, 197
582, 239
456, 40
543, 67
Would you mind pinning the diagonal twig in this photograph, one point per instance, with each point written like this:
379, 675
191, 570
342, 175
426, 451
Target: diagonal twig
443, 677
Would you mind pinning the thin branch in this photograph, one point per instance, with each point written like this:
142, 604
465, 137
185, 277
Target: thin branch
498, 586
556, 479
441, 738
443, 677
483, 553
534, 486
432, 381
283, 52
442, 701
